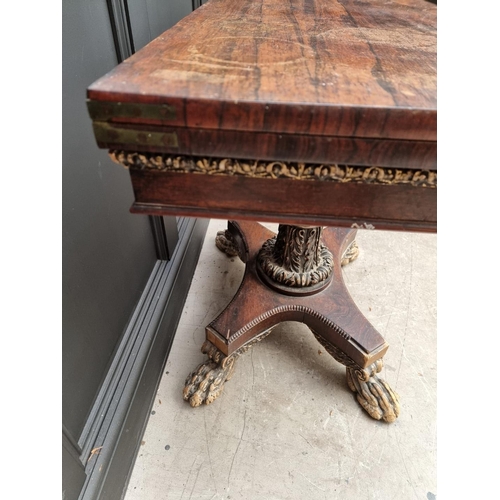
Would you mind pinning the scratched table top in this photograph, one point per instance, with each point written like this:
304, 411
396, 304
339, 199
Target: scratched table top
298, 111
328, 67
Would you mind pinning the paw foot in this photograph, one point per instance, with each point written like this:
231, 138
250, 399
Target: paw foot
350, 254
373, 393
225, 244
205, 384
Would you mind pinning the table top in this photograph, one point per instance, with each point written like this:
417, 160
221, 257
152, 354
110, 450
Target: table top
326, 67
315, 112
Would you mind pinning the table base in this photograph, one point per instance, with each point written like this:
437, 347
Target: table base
326, 308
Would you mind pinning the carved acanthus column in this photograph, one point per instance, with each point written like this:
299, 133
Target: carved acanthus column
295, 261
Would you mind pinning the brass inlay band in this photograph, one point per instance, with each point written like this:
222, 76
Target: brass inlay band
275, 169
105, 111
108, 133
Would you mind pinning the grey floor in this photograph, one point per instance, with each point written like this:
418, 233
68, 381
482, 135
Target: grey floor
287, 426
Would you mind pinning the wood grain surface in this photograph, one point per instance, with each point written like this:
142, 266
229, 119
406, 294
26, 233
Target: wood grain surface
269, 146
394, 207
326, 67
255, 307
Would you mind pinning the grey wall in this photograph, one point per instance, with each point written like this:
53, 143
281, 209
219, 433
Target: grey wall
150, 18
108, 253
113, 270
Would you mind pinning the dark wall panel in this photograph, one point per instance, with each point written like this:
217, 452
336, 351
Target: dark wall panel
108, 253
150, 18
73, 472
121, 304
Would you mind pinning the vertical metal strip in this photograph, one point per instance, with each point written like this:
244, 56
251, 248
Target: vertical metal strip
122, 32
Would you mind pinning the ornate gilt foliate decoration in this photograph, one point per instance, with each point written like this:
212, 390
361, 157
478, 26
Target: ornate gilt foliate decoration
205, 384
373, 393
225, 243
275, 169
351, 253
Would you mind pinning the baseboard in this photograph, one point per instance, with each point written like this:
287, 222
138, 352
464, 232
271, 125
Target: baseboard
115, 427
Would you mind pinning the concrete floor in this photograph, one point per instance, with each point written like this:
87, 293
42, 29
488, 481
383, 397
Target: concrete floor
287, 426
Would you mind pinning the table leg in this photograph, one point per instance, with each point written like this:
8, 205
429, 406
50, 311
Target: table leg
294, 275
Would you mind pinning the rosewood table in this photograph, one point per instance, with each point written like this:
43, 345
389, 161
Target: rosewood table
319, 115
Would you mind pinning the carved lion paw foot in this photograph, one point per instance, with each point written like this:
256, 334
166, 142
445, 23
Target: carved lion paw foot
351, 253
205, 384
373, 393
225, 244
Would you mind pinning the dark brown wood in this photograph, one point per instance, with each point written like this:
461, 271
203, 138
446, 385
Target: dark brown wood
328, 311
331, 313
344, 81
317, 81
283, 147
304, 112
326, 67
403, 207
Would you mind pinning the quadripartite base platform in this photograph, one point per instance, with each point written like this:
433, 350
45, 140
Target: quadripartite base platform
294, 275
